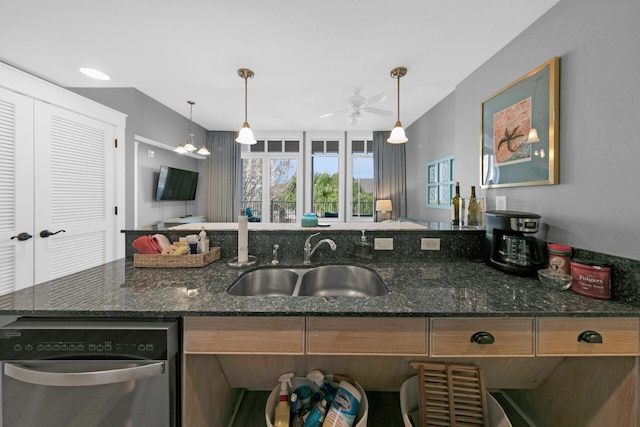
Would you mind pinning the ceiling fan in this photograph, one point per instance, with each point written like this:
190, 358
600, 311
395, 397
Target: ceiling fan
358, 104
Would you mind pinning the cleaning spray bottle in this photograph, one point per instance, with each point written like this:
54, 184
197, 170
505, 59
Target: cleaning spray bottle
283, 409
328, 391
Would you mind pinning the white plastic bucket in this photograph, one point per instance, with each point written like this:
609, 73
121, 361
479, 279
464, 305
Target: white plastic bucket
363, 408
410, 401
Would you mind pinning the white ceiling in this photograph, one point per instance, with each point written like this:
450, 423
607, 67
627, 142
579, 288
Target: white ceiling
307, 55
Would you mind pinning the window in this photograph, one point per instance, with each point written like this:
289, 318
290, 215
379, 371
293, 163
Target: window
360, 179
270, 173
440, 174
336, 182
324, 175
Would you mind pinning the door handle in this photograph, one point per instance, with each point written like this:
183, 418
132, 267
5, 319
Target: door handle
22, 236
79, 379
47, 233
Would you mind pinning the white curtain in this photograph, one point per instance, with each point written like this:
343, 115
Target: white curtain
223, 177
389, 174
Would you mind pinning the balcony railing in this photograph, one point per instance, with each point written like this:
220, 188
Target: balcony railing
285, 212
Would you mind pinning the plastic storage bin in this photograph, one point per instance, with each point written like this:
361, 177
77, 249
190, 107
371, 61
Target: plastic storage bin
363, 408
409, 402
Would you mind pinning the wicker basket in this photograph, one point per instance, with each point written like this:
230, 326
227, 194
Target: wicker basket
176, 261
451, 395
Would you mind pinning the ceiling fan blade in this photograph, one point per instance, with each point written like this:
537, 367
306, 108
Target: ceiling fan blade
334, 113
377, 111
379, 97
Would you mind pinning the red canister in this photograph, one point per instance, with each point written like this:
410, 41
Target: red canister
559, 257
591, 278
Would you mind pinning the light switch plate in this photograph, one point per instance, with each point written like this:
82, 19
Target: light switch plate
429, 244
383, 243
501, 203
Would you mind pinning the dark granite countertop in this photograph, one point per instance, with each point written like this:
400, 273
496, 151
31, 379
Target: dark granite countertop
434, 288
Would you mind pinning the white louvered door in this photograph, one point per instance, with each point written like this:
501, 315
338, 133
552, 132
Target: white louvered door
16, 191
74, 192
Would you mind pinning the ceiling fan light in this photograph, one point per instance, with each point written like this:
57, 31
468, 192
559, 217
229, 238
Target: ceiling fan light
245, 136
397, 135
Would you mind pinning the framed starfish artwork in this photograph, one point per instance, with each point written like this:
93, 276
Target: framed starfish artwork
520, 123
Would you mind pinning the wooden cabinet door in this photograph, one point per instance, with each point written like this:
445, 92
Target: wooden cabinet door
480, 337
566, 336
368, 335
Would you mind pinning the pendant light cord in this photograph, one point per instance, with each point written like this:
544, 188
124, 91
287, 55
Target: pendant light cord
398, 97
245, 98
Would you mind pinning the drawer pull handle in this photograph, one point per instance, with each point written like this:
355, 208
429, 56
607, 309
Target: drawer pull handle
482, 338
590, 337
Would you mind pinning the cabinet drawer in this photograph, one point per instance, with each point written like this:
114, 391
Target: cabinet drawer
356, 335
560, 336
239, 335
453, 337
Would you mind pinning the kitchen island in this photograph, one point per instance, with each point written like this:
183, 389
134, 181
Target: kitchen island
227, 338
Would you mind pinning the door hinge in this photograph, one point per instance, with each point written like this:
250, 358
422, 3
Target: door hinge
115, 141
116, 210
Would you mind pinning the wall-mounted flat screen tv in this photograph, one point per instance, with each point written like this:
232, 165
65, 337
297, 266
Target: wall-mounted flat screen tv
176, 184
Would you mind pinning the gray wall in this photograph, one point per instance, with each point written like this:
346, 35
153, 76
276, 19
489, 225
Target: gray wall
596, 204
148, 118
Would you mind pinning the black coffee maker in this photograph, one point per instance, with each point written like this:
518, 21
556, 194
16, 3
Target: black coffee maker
510, 245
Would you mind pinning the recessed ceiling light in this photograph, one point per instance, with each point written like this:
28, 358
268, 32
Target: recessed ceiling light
93, 73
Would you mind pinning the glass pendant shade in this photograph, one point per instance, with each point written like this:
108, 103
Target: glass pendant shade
533, 136
189, 147
397, 135
245, 136
203, 151
180, 149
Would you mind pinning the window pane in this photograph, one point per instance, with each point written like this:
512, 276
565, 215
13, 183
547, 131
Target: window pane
369, 146
362, 202
292, 146
357, 147
325, 185
258, 147
332, 147
252, 186
275, 146
317, 147
283, 190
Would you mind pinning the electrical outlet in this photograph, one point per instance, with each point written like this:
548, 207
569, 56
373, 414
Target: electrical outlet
501, 203
429, 244
383, 243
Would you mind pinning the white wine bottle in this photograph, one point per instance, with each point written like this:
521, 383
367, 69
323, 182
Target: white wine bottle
473, 211
455, 206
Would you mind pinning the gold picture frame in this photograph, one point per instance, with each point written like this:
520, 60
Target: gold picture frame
519, 131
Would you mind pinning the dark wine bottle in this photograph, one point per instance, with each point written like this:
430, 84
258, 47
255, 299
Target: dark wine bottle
473, 213
455, 206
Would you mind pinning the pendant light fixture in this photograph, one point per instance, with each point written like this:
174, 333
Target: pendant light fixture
188, 146
397, 134
245, 136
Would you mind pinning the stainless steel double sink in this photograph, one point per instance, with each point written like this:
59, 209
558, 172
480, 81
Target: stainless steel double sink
326, 280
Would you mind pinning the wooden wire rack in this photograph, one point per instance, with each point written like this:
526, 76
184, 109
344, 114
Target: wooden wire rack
451, 395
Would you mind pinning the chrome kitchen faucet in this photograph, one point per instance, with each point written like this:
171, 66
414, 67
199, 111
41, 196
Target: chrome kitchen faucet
308, 250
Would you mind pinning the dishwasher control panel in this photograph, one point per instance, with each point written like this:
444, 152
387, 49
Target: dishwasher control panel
27, 341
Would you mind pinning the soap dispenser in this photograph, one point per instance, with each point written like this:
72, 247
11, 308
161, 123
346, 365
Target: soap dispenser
362, 248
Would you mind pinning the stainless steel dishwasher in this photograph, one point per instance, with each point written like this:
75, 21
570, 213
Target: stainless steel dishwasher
84, 373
